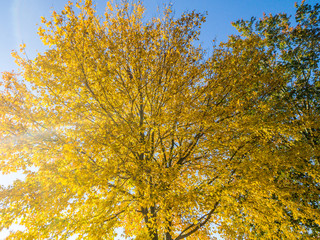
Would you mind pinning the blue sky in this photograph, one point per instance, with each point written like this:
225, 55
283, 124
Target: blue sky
19, 19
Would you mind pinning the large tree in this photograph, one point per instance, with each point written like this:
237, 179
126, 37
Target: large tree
126, 122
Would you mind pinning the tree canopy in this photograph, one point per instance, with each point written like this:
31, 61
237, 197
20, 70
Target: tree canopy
126, 122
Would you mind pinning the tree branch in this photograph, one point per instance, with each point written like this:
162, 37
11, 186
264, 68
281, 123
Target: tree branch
195, 227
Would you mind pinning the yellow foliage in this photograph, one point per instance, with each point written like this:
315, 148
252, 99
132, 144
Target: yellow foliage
126, 123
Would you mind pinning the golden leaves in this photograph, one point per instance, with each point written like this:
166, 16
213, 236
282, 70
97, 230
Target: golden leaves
128, 124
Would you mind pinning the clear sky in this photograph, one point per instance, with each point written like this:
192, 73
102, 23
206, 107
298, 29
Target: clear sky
19, 19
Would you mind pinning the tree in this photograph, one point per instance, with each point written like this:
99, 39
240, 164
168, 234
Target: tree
296, 50
124, 122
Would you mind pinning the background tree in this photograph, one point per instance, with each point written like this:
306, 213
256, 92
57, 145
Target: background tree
296, 50
124, 122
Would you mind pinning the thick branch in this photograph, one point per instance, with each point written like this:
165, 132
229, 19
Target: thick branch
195, 227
